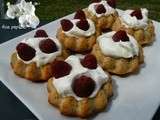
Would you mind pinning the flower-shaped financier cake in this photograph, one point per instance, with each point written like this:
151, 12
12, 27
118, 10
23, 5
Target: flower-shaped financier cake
137, 24
77, 35
118, 52
33, 56
81, 88
103, 13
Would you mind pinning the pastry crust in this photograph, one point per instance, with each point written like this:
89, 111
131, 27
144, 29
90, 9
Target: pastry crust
31, 71
76, 44
119, 66
84, 108
143, 36
102, 22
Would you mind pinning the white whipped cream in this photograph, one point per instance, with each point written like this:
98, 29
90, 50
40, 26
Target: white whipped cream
28, 21
76, 32
63, 85
109, 9
119, 49
24, 12
131, 22
26, 7
13, 11
41, 58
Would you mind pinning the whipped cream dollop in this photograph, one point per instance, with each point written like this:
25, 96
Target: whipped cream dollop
24, 12
13, 11
109, 9
76, 32
127, 49
28, 21
63, 85
41, 58
132, 22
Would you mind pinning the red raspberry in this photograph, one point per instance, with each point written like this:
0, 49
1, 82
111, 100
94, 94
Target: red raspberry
83, 24
60, 68
83, 86
120, 35
48, 46
89, 61
25, 51
112, 3
66, 24
137, 13
80, 15
40, 33
100, 9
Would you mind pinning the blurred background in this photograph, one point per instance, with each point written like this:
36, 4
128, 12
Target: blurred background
50, 10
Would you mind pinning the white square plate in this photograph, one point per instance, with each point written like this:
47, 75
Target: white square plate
136, 96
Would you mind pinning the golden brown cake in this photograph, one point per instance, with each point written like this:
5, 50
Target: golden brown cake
78, 34
34, 56
141, 27
31, 71
117, 56
102, 13
78, 45
71, 107
79, 95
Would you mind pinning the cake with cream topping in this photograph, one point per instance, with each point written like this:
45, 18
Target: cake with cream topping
103, 13
81, 89
78, 34
34, 56
136, 23
118, 52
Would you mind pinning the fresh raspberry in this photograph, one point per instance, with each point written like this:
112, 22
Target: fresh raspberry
80, 15
105, 30
96, 1
25, 52
48, 46
66, 24
112, 3
100, 9
89, 61
60, 68
40, 33
83, 25
137, 13
120, 35
83, 86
